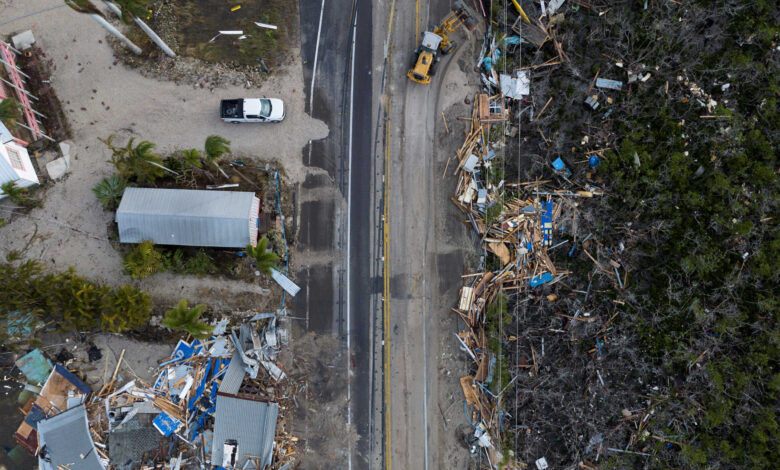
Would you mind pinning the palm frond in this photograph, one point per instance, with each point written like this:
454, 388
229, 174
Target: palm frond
131, 8
184, 318
109, 191
215, 147
84, 6
192, 158
10, 110
264, 259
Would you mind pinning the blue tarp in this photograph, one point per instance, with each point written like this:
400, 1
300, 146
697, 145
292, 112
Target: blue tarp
34, 366
560, 166
539, 280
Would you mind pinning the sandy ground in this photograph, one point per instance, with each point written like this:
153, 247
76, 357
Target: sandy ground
101, 97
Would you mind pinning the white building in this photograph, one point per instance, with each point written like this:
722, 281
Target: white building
15, 164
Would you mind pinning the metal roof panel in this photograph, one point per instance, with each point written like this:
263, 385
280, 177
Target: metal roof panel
251, 423
186, 217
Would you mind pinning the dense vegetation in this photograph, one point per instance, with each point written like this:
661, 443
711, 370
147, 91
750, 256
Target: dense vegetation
689, 167
704, 201
146, 259
70, 301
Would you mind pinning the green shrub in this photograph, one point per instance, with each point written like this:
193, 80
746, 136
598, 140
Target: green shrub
19, 195
70, 300
200, 264
144, 260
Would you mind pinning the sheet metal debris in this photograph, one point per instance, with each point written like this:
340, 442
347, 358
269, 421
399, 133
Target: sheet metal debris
181, 406
609, 84
285, 282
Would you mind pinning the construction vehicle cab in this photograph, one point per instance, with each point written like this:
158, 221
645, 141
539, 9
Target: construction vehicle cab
426, 56
438, 41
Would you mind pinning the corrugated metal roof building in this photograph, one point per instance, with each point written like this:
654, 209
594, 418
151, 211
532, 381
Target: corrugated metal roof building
226, 219
251, 424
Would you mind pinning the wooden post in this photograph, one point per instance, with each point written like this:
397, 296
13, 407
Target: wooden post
446, 127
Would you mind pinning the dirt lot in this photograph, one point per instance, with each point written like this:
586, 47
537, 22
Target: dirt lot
103, 97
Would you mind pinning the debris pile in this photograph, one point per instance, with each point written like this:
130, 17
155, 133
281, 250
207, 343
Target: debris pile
220, 402
514, 222
516, 225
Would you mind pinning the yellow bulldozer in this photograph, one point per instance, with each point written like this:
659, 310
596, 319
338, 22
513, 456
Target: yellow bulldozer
436, 41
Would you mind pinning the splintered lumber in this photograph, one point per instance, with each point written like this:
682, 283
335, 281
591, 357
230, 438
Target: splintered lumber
484, 365
444, 119
481, 284
109, 386
543, 109
596, 262
466, 298
545, 64
501, 251
593, 82
118, 363
469, 389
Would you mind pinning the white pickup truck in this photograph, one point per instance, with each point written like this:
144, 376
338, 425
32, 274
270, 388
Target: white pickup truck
252, 110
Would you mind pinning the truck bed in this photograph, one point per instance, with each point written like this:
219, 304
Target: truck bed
232, 109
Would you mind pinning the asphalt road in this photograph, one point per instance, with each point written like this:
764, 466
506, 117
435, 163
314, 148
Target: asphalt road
336, 211
423, 266
353, 52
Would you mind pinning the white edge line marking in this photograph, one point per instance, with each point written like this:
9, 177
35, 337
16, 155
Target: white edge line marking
425, 372
314, 67
349, 236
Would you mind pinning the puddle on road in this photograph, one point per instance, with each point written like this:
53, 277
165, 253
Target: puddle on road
196, 22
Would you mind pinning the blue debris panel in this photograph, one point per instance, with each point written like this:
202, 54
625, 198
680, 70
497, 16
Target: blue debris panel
547, 225
166, 424
541, 279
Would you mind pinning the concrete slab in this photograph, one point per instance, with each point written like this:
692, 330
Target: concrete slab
23, 40
57, 168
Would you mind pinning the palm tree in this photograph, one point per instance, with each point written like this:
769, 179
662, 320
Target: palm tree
142, 162
88, 8
192, 158
184, 318
216, 146
9, 111
265, 259
109, 191
137, 162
